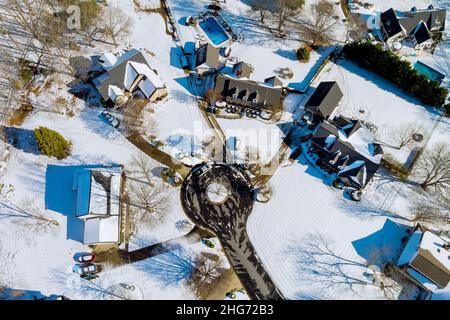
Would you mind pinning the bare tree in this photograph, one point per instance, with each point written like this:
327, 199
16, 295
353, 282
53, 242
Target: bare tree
40, 34
404, 135
207, 272
28, 215
432, 208
429, 214
287, 9
318, 259
253, 160
116, 23
433, 168
262, 6
148, 203
142, 168
316, 26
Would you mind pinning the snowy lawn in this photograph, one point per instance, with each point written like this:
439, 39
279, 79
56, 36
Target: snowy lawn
316, 244
30, 186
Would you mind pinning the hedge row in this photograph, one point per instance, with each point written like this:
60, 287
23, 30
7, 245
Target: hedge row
51, 143
400, 72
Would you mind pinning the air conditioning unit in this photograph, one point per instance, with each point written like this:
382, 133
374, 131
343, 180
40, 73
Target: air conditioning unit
245, 98
255, 100
235, 95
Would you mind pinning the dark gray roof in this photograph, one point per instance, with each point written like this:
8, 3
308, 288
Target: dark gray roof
434, 19
407, 21
358, 174
430, 267
347, 154
325, 99
348, 126
115, 74
421, 33
390, 23
257, 95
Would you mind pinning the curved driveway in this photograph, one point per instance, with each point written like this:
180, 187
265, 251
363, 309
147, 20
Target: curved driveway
228, 221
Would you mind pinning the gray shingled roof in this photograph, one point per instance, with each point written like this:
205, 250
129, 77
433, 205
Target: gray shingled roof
421, 33
345, 150
325, 99
432, 268
115, 75
395, 22
434, 19
428, 265
390, 23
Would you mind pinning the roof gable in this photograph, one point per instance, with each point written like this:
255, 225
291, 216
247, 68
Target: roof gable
325, 98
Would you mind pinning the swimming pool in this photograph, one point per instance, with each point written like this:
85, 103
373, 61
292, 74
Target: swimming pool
214, 31
428, 72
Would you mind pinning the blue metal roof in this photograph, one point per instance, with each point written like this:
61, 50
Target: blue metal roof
83, 192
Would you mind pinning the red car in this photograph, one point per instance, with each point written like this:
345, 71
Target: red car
86, 257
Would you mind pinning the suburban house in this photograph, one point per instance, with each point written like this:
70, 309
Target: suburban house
247, 93
98, 203
425, 260
323, 102
126, 74
345, 147
416, 25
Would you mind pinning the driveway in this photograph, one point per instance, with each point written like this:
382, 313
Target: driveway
220, 200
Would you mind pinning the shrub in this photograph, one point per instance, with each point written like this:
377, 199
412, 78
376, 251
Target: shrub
51, 143
19, 115
391, 67
447, 109
26, 71
303, 54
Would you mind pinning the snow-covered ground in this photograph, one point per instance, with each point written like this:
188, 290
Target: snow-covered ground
289, 233
286, 231
43, 261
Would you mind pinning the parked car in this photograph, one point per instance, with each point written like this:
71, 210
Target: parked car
86, 269
211, 109
200, 169
208, 243
86, 258
111, 120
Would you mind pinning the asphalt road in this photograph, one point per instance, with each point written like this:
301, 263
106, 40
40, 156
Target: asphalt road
227, 220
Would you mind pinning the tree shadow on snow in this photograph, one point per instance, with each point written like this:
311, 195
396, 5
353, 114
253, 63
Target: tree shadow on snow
22, 139
60, 196
382, 246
